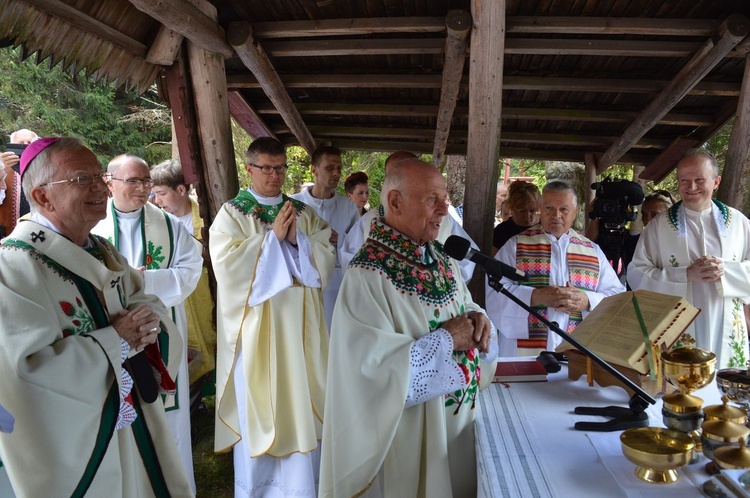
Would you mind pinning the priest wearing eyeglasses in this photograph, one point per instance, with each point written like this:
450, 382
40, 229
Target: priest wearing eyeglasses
272, 260
73, 316
157, 244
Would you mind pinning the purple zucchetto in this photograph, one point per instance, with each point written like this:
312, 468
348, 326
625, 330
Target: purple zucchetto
33, 150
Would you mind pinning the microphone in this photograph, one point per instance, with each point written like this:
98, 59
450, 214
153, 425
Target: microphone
459, 248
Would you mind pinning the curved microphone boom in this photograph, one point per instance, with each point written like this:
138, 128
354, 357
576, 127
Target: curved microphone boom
459, 248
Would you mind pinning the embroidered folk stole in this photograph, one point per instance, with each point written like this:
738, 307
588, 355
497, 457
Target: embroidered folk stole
533, 256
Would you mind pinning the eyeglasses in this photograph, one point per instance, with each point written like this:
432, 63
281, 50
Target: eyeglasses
136, 182
267, 170
80, 180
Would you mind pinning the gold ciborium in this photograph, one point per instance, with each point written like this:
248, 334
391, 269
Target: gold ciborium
735, 384
657, 452
688, 368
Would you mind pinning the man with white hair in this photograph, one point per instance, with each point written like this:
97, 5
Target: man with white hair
13, 203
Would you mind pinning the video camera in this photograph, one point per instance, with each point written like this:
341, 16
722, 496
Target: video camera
616, 201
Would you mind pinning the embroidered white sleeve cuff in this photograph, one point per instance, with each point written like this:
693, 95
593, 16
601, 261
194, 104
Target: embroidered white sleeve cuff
432, 371
126, 415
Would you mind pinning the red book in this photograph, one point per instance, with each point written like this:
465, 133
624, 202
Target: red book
520, 371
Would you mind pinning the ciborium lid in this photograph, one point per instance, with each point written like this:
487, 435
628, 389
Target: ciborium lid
732, 457
717, 412
723, 430
687, 354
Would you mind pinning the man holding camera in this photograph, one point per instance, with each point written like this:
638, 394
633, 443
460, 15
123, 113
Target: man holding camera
13, 203
569, 276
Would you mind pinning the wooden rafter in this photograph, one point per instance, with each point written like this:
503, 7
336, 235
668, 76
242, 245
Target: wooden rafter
458, 26
731, 32
417, 81
165, 47
533, 25
186, 19
246, 116
239, 35
87, 23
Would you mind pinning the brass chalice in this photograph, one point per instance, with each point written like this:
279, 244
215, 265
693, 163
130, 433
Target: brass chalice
657, 452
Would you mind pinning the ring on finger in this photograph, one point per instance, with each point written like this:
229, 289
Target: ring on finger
154, 330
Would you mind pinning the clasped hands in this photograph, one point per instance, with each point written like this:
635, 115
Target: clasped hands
566, 299
706, 269
471, 330
139, 327
285, 224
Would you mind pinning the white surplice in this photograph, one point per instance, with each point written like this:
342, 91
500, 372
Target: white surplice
671, 243
341, 213
512, 320
172, 286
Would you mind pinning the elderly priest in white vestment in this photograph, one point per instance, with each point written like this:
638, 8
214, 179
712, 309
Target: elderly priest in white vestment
404, 364
73, 318
700, 249
272, 261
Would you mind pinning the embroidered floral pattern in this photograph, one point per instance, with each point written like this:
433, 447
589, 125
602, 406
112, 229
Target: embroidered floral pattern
154, 256
246, 203
673, 261
80, 319
738, 337
721, 212
400, 260
16, 244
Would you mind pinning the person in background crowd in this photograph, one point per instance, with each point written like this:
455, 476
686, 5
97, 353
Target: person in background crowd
569, 276
172, 194
336, 209
700, 249
13, 203
502, 195
73, 318
272, 259
523, 203
158, 245
404, 368
357, 190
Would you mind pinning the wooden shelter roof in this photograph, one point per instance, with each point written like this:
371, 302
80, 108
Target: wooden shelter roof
577, 74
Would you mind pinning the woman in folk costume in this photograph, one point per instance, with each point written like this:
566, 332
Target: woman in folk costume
700, 249
159, 246
74, 319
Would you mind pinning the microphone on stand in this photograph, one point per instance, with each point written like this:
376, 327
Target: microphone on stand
460, 248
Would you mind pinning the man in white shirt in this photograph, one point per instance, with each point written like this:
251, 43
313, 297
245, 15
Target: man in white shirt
337, 210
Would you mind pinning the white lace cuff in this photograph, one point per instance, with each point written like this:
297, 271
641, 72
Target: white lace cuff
127, 414
433, 372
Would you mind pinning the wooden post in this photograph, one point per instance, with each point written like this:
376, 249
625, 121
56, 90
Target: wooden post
458, 25
733, 186
589, 177
239, 35
636, 226
212, 113
731, 32
485, 107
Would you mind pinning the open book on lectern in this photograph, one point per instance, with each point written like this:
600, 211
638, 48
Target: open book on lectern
612, 329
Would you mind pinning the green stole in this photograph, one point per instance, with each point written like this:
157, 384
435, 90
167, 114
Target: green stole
92, 308
533, 256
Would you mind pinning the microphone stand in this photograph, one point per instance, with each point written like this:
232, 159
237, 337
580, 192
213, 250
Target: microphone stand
623, 418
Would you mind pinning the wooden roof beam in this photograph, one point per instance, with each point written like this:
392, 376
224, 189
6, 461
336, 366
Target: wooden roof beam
536, 113
165, 47
187, 20
246, 116
513, 46
89, 24
458, 26
666, 161
534, 83
731, 32
239, 35
518, 24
